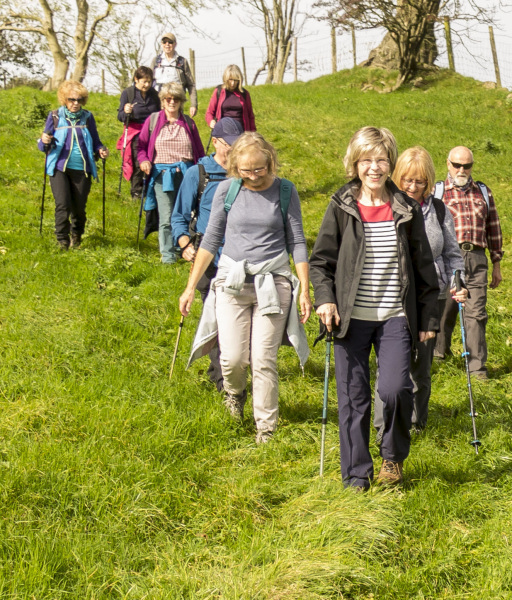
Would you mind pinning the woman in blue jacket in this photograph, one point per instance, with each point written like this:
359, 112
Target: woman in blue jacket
71, 142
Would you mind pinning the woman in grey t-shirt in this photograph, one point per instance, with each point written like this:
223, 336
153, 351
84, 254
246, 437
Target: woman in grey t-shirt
254, 288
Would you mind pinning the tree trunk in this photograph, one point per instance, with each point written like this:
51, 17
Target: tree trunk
60, 71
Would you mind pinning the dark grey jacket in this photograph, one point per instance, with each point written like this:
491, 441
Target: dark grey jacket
338, 257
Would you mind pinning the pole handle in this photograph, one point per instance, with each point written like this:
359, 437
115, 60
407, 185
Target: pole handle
458, 285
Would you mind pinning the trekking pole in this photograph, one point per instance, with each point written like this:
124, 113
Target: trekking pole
103, 160
176, 347
123, 150
209, 142
328, 340
44, 189
141, 207
475, 442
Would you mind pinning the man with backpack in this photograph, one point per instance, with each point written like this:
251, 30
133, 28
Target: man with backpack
169, 66
192, 211
477, 227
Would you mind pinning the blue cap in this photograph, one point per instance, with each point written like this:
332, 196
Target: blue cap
228, 129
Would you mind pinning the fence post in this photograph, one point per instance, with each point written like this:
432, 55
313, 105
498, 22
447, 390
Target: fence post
193, 63
333, 49
495, 56
103, 80
243, 65
354, 44
449, 47
295, 60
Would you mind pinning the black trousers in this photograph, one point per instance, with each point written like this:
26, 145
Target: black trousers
70, 190
137, 175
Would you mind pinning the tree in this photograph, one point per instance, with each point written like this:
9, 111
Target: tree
409, 24
71, 27
17, 60
279, 21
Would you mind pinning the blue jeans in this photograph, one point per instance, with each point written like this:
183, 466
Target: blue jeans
165, 202
392, 342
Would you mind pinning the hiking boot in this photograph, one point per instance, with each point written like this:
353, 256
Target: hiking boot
481, 375
235, 404
63, 244
391, 472
76, 240
263, 436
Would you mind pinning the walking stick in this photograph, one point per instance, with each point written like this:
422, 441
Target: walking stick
44, 190
103, 160
209, 142
124, 150
142, 197
475, 442
176, 347
328, 340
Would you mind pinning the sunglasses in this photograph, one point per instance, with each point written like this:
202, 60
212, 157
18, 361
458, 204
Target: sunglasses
73, 100
167, 42
465, 166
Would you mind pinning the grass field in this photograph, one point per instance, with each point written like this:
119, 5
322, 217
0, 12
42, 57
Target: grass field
116, 484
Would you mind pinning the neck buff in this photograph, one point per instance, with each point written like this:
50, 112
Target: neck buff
73, 116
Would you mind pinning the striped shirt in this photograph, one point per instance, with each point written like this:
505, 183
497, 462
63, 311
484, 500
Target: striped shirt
378, 293
473, 221
173, 145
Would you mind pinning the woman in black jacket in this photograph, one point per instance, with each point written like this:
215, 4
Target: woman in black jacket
375, 285
137, 102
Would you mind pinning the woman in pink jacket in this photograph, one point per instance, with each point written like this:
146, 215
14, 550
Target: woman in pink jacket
231, 100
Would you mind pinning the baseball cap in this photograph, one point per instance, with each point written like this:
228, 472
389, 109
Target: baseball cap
228, 129
169, 36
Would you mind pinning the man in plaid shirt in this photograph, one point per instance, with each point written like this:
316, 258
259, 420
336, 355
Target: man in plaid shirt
478, 227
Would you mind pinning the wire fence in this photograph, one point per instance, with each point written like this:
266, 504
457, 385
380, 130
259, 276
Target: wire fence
472, 55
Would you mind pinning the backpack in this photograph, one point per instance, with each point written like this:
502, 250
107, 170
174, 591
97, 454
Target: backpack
285, 195
439, 193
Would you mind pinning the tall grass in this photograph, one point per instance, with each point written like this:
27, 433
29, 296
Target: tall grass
116, 483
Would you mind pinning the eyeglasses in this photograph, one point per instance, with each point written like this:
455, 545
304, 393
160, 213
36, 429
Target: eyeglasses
382, 163
247, 172
73, 100
175, 100
465, 166
167, 42
419, 184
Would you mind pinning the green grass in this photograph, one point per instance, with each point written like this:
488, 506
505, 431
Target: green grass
116, 484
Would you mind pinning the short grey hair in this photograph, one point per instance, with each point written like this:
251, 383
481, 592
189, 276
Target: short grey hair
366, 141
173, 89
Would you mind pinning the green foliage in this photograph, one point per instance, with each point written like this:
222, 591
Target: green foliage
34, 114
116, 483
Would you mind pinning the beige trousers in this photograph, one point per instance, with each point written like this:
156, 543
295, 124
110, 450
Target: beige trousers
247, 337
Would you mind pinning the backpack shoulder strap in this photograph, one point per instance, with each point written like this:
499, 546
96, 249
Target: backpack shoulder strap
204, 178
440, 207
233, 190
219, 88
152, 121
180, 62
130, 94
285, 195
439, 190
189, 120
485, 193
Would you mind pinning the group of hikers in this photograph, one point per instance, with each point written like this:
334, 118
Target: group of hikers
382, 267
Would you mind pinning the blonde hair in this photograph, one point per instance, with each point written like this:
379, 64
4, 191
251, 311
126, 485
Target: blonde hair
175, 90
71, 87
415, 159
366, 141
251, 140
233, 72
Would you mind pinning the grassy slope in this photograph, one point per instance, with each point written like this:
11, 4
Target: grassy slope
116, 484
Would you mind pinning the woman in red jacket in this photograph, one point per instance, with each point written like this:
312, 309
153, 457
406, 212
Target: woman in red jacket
231, 100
